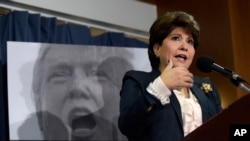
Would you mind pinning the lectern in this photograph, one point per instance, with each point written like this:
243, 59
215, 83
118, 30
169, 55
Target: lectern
217, 128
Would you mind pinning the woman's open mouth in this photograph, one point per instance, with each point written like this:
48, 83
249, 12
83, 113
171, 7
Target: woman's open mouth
181, 57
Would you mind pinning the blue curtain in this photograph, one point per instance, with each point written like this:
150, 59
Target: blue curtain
23, 26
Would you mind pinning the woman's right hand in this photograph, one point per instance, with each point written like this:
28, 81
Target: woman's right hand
176, 77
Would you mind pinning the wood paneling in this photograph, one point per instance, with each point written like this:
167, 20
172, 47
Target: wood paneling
240, 25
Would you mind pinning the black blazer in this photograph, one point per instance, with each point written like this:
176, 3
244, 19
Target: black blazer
143, 118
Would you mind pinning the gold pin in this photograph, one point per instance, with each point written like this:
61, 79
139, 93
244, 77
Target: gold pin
150, 107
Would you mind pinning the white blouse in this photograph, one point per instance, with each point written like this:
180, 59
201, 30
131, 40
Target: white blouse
190, 107
191, 111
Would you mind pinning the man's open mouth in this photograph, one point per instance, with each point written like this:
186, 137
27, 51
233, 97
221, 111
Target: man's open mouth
84, 126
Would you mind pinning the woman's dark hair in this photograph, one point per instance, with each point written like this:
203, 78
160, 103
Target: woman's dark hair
164, 25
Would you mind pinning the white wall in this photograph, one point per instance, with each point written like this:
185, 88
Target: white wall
128, 13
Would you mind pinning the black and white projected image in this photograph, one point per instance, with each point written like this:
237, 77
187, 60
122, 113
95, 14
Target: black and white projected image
67, 92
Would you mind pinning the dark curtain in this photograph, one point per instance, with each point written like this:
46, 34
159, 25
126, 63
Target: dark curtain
23, 26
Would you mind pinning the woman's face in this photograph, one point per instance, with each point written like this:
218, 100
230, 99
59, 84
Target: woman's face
178, 47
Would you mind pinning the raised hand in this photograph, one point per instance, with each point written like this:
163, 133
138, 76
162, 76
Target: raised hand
176, 77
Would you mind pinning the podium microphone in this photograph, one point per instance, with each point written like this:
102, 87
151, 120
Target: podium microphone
207, 64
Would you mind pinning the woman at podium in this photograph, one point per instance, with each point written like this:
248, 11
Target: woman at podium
169, 102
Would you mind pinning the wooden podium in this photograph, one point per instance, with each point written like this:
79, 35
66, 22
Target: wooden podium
217, 128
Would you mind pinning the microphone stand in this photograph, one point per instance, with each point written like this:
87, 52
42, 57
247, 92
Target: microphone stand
240, 84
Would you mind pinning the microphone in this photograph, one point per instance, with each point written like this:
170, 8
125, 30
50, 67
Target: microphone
207, 64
